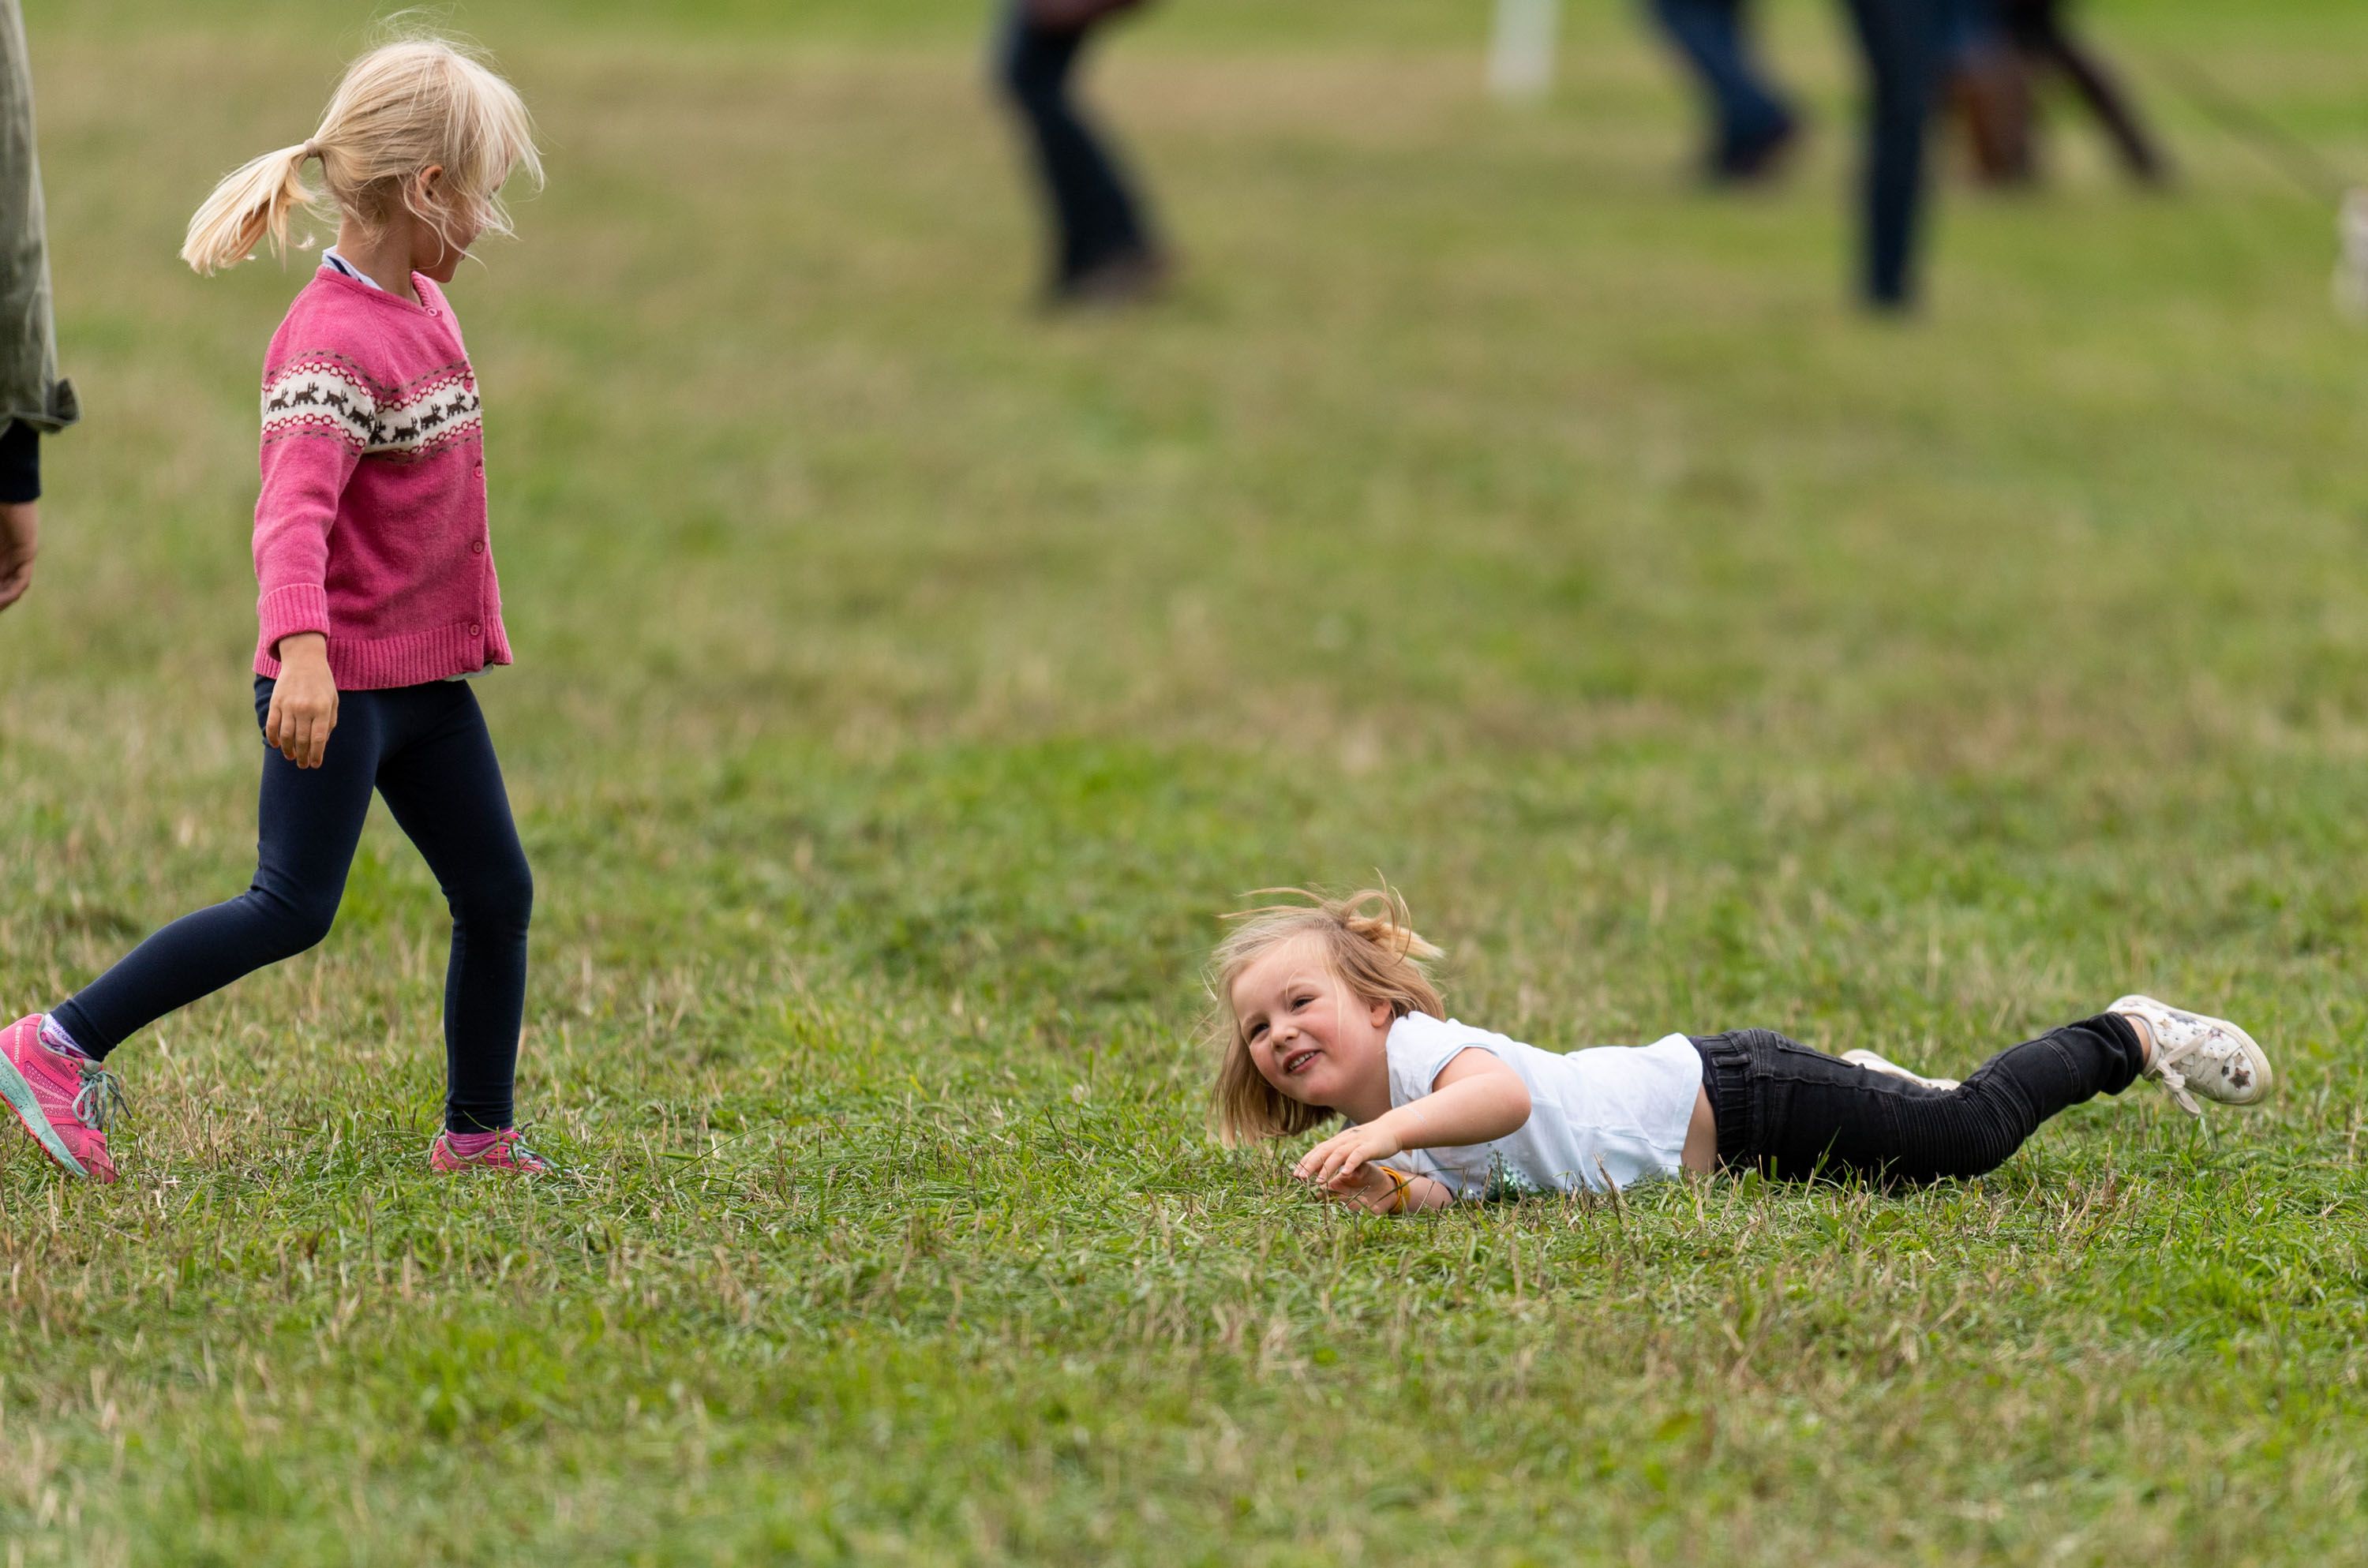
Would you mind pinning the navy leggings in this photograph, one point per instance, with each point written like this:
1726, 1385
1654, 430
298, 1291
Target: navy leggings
426, 749
1798, 1114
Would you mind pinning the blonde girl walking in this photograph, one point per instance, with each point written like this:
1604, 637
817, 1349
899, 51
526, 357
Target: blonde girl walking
1327, 1007
378, 599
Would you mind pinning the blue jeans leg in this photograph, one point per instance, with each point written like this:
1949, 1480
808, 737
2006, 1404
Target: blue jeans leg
1902, 41
1749, 116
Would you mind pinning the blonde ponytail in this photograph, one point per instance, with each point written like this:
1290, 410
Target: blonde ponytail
402, 108
247, 207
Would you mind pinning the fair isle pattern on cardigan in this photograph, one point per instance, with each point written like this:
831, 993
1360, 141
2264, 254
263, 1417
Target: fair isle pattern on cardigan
369, 528
322, 393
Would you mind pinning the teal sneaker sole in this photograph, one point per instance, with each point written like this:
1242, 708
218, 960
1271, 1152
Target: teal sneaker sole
18, 1092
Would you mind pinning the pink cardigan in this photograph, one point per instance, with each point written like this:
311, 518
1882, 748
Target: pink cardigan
371, 524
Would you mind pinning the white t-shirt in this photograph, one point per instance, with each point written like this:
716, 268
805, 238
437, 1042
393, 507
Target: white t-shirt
1614, 1110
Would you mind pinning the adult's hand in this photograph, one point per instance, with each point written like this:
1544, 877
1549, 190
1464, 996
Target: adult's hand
21, 534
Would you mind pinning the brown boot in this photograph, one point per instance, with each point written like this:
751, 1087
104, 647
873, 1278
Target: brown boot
1992, 91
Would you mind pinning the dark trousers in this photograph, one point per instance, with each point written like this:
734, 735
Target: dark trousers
1902, 43
1097, 217
1799, 1114
1748, 117
20, 463
425, 748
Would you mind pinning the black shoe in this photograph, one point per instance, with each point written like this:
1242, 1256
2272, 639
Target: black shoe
1756, 161
1131, 277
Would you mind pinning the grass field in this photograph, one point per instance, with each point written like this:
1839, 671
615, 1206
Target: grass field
906, 684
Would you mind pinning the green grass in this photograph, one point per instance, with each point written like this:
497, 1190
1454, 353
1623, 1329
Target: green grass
906, 684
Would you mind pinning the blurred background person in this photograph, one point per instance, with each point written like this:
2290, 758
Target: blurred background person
1997, 82
1902, 43
1751, 124
1985, 88
34, 400
1104, 249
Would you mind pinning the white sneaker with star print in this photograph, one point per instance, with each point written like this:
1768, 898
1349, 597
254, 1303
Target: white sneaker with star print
2197, 1055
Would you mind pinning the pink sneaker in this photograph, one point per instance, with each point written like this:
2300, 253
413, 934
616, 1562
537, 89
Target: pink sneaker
505, 1154
67, 1103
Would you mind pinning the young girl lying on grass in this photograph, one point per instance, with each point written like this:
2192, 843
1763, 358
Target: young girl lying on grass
1326, 1009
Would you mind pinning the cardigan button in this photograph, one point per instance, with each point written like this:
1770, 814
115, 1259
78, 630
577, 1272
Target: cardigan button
476, 547
477, 629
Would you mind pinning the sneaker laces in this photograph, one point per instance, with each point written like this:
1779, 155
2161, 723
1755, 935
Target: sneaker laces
2172, 1079
101, 1101
518, 1151
2169, 1077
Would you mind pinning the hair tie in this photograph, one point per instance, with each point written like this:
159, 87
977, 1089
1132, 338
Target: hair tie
311, 149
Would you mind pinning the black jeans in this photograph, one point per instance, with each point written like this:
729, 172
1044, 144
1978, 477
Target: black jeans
1798, 1114
1096, 216
425, 748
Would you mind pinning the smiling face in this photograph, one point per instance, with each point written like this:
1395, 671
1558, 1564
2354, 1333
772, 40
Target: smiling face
1309, 1035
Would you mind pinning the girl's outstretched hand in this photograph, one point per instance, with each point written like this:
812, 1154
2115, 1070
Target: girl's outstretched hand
303, 700
1338, 1164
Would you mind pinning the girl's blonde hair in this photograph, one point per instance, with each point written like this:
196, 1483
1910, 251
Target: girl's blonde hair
399, 108
1368, 939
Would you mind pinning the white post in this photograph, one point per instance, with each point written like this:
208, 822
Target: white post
2351, 273
1521, 55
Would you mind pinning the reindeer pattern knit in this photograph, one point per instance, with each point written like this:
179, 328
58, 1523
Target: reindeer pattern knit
370, 527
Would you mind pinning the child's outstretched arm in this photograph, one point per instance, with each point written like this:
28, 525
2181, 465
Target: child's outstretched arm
1474, 1100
